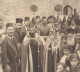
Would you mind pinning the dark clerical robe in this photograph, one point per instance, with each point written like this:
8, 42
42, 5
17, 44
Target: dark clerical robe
32, 55
19, 34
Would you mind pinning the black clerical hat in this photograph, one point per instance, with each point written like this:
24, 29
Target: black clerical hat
37, 17
19, 20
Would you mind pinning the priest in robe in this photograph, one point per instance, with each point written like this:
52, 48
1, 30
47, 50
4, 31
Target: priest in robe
32, 52
50, 53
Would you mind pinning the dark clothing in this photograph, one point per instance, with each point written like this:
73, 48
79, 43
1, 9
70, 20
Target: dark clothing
51, 61
32, 57
25, 30
10, 54
34, 49
19, 34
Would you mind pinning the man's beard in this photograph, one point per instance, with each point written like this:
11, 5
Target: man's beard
18, 29
32, 35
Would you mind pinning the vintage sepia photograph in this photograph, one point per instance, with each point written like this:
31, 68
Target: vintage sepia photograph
39, 35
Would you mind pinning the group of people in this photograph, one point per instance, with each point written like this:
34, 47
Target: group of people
46, 44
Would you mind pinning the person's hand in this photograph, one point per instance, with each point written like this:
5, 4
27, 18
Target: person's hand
8, 68
39, 41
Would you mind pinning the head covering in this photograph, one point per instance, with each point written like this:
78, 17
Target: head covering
68, 47
44, 17
19, 20
64, 36
27, 18
74, 55
37, 17
51, 17
9, 25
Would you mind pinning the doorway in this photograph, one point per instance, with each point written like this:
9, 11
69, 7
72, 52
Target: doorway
68, 10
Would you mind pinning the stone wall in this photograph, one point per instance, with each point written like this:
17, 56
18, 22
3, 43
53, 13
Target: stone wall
73, 4
21, 8
11, 9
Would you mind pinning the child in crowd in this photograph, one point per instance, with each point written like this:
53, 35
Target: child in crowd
67, 50
75, 63
63, 40
61, 67
66, 53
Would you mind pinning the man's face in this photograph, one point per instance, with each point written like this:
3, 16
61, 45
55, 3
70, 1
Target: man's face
27, 22
51, 32
70, 36
10, 31
32, 30
38, 20
65, 24
45, 21
72, 23
18, 25
51, 20
66, 52
75, 11
59, 68
74, 62
64, 40
77, 36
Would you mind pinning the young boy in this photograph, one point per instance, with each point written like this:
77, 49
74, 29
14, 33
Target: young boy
61, 67
74, 60
66, 53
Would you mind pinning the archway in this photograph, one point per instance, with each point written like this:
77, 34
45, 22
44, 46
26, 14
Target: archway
68, 10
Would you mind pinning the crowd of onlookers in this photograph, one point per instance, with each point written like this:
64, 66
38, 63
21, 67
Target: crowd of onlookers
60, 36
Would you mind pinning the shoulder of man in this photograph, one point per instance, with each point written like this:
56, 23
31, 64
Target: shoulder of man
4, 41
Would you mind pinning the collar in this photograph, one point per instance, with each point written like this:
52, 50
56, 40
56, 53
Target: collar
9, 37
